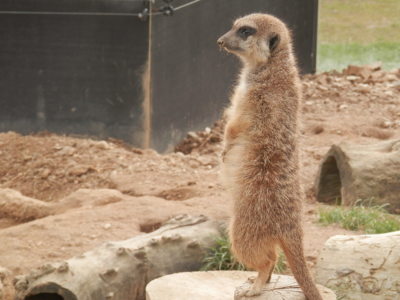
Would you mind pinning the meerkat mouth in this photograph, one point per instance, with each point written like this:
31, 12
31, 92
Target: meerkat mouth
228, 48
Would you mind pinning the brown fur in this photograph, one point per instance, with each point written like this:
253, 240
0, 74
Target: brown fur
261, 156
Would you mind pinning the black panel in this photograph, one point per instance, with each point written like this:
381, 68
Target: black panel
191, 78
72, 74
81, 74
116, 6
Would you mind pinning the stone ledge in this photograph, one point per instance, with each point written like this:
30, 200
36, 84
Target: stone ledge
221, 285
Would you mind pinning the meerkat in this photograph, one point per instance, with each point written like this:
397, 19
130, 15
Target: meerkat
260, 158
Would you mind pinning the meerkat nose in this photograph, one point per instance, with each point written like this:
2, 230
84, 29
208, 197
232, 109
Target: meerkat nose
220, 42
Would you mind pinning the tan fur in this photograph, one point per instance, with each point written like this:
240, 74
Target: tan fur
261, 157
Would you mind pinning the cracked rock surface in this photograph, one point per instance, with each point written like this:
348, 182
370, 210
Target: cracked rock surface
361, 267
224, 285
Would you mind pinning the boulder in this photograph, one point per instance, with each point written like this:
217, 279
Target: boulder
221, 285
364, 267
18, 207
350, 172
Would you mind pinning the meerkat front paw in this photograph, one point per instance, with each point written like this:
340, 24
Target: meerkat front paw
225, 151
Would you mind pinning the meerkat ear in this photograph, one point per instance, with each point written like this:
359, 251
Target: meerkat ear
273, 41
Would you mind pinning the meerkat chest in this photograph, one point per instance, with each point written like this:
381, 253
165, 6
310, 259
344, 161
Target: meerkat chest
238, 99
238, 120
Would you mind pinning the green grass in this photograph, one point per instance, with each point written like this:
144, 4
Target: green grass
339, 56
370, 219
358, 32
221, 258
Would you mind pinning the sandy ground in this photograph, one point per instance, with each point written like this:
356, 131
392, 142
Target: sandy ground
107, 190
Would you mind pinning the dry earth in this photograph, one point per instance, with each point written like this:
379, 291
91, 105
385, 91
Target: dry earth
107, 190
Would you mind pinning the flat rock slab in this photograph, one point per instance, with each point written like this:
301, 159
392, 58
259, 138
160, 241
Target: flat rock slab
221, 285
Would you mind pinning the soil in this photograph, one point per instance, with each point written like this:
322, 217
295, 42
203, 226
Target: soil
107, 190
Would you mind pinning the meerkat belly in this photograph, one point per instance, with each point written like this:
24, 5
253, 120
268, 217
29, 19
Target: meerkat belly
251, 245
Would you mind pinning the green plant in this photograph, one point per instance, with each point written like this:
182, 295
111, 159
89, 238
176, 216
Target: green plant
362, 216
281, 264
221, 258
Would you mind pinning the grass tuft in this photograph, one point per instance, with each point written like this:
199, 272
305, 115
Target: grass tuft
221, 258
371, 219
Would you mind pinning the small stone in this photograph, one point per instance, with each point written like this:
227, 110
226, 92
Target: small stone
108, 273
387, 124
121, 251
21, 284
193, 244
395, 84
45, 173
63, 267
4, 273
193, 135
175, 237
352, 78
107, 226
140, 254
153, 242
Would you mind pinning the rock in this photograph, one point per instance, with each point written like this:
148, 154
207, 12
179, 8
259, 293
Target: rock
120, 270
221, 285
364, 267
351, 172
16, 206
363, 71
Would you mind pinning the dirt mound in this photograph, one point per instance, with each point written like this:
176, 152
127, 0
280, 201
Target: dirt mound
203, 142
50, 167
366, 90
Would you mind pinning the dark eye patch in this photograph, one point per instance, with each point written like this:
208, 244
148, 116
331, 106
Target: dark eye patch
245, 31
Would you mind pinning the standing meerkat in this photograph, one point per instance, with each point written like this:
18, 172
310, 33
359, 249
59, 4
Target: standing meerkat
261, 161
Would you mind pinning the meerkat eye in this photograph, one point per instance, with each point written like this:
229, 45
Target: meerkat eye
245, 31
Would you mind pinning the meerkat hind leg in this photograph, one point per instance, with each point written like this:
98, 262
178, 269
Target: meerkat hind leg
259, 282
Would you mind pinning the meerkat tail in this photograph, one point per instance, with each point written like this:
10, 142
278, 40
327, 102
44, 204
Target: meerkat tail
293, 249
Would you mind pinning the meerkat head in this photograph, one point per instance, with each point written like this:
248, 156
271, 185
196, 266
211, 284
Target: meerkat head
254, 38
